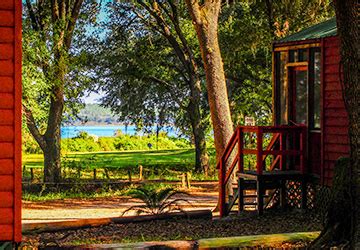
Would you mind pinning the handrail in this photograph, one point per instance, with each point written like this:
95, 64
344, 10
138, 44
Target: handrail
279, 133
227, 148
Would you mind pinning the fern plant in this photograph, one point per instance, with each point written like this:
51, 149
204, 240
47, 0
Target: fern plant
156, 201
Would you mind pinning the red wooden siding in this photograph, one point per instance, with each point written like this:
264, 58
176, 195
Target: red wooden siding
10, 120
335, 118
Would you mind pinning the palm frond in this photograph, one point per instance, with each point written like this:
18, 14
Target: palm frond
137, 208
173, 203
156, 200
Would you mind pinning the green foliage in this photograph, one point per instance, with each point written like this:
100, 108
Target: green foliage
107, 144
29, 145
53, 72
80, 145
157, 201
144, 80
86, 143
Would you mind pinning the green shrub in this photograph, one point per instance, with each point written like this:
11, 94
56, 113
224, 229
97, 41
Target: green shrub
107, 143
86, 143
80, 145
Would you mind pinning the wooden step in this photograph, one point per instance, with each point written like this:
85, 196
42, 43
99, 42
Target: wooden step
252, 185
255, 196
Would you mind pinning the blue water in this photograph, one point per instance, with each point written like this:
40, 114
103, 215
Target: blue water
104, 131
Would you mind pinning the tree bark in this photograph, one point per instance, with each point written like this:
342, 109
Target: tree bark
52, 136
337, 217
201, 155
205, 19
347, 14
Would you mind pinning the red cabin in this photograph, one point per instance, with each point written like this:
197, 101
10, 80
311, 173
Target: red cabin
310, 125
10, 120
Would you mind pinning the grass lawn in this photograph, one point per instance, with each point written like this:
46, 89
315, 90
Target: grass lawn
157, 164
123, 158
154, 160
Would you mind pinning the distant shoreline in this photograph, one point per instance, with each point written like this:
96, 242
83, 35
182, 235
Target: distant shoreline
109, 130
93, 124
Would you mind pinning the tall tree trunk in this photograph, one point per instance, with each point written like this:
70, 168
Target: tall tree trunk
201, 155
52, 136
64, 15
337, 225
52, 160
205, 19
347, 17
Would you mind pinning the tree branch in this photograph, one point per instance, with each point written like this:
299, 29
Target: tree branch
31, 124
72, 22
169, 87
34, 21
168, 35
54, 10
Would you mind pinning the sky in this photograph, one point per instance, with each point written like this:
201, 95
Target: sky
93, 98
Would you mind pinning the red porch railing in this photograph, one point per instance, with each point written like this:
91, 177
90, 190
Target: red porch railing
287, 145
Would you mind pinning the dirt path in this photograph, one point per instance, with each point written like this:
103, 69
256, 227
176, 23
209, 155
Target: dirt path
203, 196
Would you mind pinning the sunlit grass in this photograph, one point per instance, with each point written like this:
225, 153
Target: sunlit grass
123, 159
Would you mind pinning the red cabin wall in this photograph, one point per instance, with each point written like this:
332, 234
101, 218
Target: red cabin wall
10, 120
335, 119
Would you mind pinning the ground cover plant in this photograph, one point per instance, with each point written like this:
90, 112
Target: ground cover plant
156, 201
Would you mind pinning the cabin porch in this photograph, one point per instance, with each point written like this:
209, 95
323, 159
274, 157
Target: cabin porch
257, 163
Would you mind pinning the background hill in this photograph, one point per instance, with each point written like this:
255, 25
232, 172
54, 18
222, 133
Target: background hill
94, 114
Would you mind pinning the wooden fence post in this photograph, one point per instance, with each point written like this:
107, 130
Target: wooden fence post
129, 174
31, 174
183, 180
187, 178
107, 173
140, 172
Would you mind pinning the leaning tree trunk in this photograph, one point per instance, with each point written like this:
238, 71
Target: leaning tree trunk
205, 19
201, 155
348, 30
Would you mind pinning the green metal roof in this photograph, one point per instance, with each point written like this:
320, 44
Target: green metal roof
320, 30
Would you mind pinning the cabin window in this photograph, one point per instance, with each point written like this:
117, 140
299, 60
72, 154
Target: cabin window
317, 89
293, 55
298, 87
283, 89
302, 55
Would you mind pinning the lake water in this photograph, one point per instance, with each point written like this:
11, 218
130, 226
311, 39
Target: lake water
103, 131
